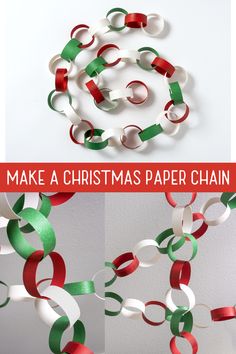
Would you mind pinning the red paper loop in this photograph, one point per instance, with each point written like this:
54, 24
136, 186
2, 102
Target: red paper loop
163, 67
30, 269
124, 139
95, 91
173, 203
61, 80
130, 268
202, 229
156, 303
183, 118
138, 101
107, 47
91, 127
76, 348
223, 314
180, 274
190, 338
76, 28
136, 20
59, 198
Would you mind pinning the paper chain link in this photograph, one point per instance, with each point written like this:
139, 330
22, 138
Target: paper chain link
168, 122
180, 274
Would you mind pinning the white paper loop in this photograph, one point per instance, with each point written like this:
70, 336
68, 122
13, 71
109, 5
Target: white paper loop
54, 62
222, 218
127, 55
147, 243
114, 135
160, 29
19, 293
61, 298
102, 26
132, 308
168, 127
182, 220
121, 94
188, 292
199, 325
182, 72
72, 115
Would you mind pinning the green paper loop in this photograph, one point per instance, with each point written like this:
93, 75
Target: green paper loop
178, 316
71, 50
7, 299
96, 66
176, 93
116, 297
45, 209
150, 132
40, 224
163, 236
112, 281
95, 145
185, 236
226, 199
50, 100
147, 49
117, 9
59, 328
169, 313
84, 287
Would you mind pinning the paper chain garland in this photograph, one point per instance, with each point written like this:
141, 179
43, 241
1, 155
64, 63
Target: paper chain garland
168, 121
180, 273
34, 209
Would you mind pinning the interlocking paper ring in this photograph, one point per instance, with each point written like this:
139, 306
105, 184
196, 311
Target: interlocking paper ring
132, 308
130, 268
57, 58
159, 30
110, 282
117, 10
222, 218
146, 50
76, 347
181, 83
30, 269
202, 229
124, 140
95, 91
52, 96
97, 79
188, 292
180, 274
19, 293
168, 107
146, 243
111, 104
106, 47
136, 20
182, 220
91, 127
113, 135
163, 67
118, 298
173, 203
136, 100
155, 303
189, 337
167, 126
79, 28
101, 26
223, 314
199, 325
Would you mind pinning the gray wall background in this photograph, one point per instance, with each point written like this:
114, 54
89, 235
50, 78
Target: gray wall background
125, 219
79, 227
133, 217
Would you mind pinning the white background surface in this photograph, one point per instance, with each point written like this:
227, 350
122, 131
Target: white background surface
132, 217
79, 229
206, 137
